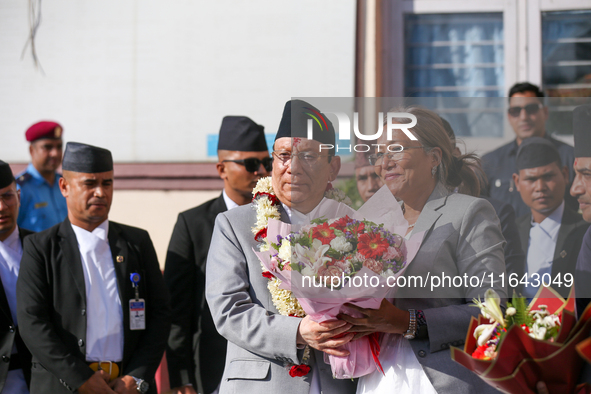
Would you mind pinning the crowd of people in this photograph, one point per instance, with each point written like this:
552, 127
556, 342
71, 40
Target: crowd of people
86, 308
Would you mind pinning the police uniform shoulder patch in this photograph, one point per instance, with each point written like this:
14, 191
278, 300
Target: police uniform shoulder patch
23, 178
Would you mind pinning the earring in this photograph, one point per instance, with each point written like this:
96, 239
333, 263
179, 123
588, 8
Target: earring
433, 171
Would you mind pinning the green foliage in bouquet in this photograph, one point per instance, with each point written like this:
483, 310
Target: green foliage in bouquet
521, 315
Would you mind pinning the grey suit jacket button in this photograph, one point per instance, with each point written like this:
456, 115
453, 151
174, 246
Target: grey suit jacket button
83, 312
80, 342
11, 328
6, 359
422, 353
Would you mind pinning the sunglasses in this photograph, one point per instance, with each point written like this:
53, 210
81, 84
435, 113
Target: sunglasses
530, 109
253, 164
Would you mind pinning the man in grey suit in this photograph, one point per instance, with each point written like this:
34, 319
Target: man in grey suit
261, 342
552, 233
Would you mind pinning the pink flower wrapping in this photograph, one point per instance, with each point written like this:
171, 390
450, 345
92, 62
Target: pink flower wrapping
333, 256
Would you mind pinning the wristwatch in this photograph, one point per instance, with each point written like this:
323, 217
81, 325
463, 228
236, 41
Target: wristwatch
141, 385
412, 325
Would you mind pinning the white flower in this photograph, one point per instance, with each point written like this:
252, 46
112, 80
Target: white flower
511, 311
551, 321
308, 271
341, 245
285, 251
313, 257
538, 332
491, 307
263, 185
483, 333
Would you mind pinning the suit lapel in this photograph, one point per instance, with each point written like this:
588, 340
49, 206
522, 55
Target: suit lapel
561, 252
3, 300
218, 206
69, 247
524, 227
120, 252
430, 214
4, 303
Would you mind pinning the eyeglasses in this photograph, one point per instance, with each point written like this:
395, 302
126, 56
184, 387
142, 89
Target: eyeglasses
9, 198
253, 164
308, 158
396, 153
530, 109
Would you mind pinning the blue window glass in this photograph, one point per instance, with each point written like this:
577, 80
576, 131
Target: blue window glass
458, 56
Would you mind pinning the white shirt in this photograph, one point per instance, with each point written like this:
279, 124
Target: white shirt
540, 252
11, 252
230, 204
104, 320
329, 210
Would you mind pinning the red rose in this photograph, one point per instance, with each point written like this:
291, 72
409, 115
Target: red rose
299, 370
341, 223
262, 234
274, 200
356, 228
268, 275
323, 233
372, 245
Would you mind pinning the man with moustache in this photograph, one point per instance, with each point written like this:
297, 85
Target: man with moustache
527, 115
552, 233
261, 342
368, 182
42, 204
15, 368
196, 352
91, 299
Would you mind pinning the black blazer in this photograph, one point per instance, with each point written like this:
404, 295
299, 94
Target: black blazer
196, 352
52, 307
10, 335
568, 244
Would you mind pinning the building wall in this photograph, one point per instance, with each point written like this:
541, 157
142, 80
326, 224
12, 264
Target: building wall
150, 79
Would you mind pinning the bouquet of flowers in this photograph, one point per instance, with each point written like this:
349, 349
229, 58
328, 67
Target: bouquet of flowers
317, 268
529, 343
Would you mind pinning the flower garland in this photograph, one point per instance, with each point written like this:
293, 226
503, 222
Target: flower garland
266, 204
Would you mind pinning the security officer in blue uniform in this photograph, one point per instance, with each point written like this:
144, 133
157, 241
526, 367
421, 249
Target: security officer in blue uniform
42, 203
527, 116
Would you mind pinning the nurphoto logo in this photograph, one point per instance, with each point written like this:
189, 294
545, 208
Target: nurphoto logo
344, 130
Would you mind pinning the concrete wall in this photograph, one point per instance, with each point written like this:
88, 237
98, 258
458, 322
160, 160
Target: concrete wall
151, 79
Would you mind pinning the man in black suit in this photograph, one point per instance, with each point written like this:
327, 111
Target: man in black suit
91, 299
196, 353
552, 232
15, 366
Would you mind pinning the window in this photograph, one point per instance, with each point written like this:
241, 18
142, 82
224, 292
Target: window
566, 53
566, 64
454, 57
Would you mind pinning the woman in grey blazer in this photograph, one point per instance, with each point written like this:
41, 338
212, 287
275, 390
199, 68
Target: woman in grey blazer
462, 243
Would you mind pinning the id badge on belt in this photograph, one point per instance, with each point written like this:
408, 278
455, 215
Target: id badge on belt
137, 306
